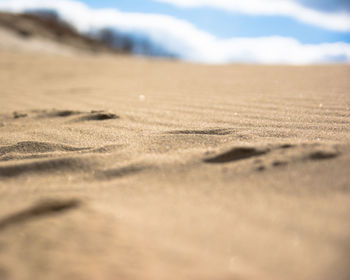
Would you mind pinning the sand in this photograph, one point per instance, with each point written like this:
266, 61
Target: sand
130, 168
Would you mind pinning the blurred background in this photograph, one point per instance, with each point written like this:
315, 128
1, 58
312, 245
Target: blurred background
206, 31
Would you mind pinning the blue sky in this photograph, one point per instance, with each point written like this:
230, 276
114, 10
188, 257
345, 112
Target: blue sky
226, 25
220, 31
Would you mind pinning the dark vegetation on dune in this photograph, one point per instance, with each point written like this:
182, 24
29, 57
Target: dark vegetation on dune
135, 43
48, 24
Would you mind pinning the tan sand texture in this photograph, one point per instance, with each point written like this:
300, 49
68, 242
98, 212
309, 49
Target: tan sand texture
129, 168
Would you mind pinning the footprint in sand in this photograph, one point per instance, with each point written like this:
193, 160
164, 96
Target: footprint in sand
35, 150
235, 154
119, 172
38, 147
56, 113
277, 155
18, 115
68, 164
94, 115
323, 154
46, 160
98, 116
218, 131
41, 209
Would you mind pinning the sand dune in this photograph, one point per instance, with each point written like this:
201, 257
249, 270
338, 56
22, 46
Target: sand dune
128, 168
45, 34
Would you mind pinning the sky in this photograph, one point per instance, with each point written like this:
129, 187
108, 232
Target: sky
220, 31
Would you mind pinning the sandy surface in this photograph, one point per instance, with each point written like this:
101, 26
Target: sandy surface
126, 168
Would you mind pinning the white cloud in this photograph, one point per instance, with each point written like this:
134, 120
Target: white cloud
339, 21
183, 38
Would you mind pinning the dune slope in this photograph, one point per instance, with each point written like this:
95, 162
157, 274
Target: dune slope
127, 168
